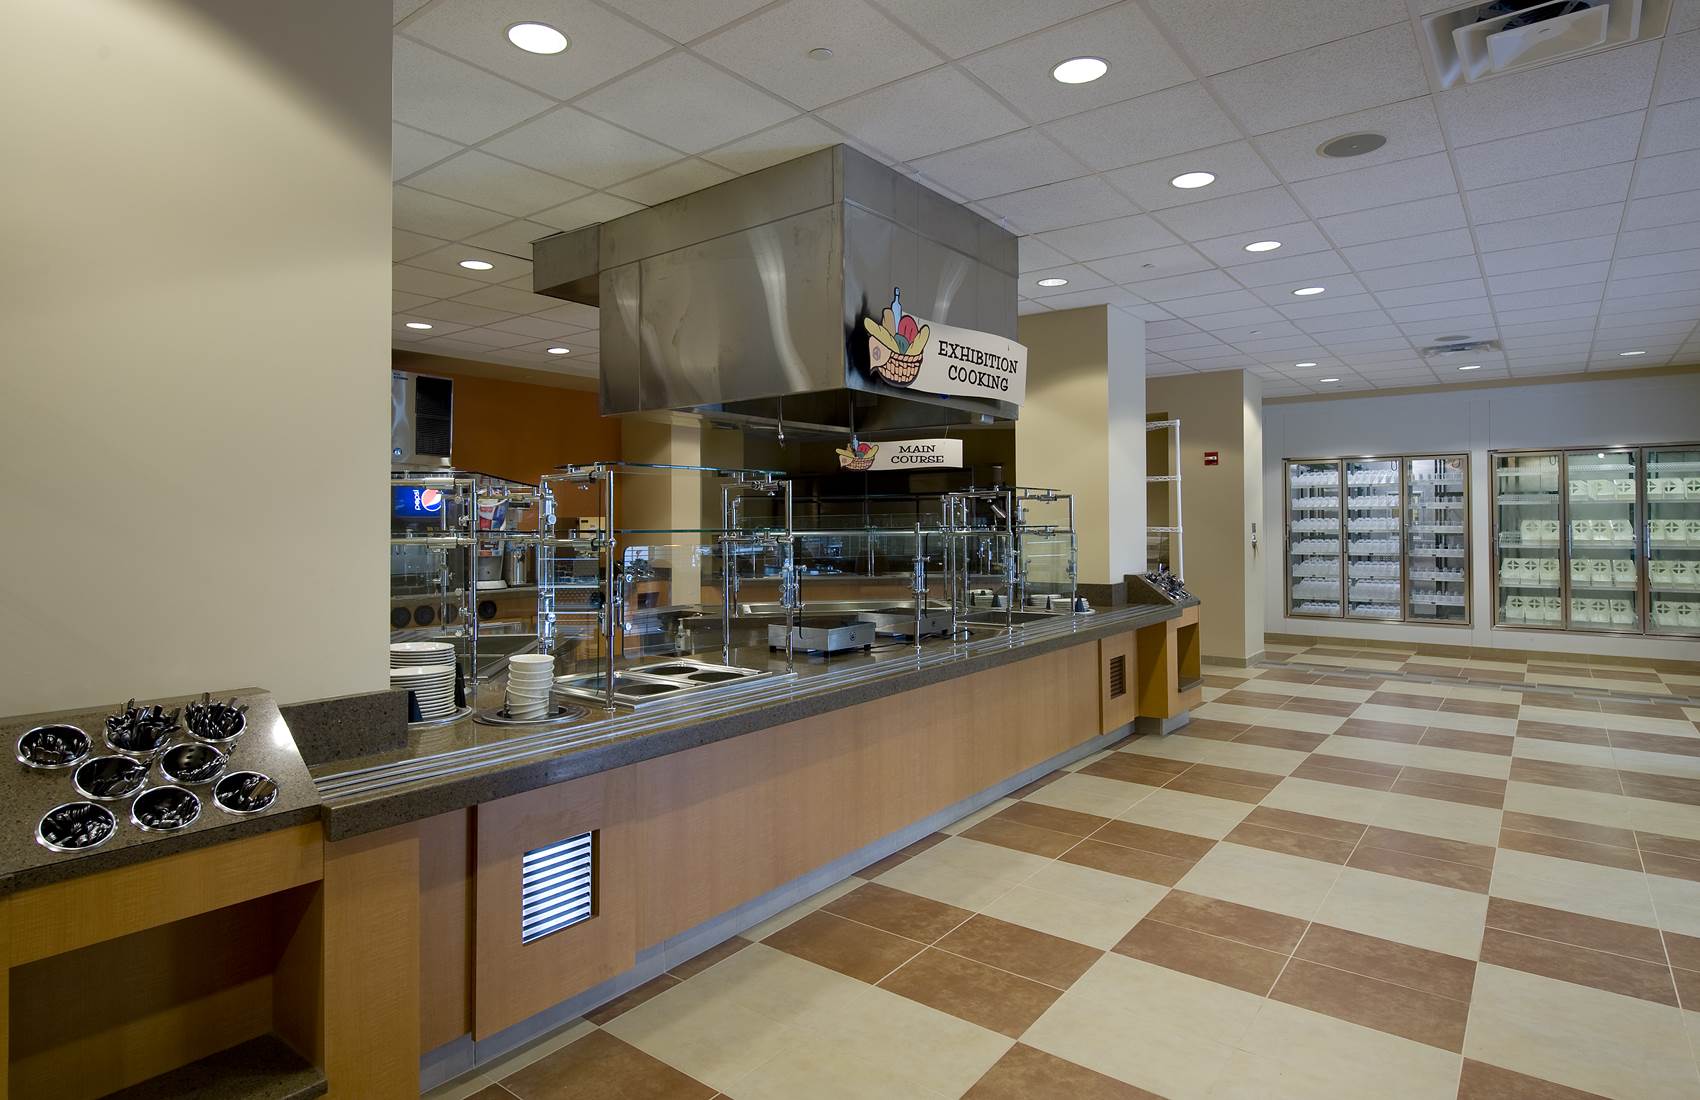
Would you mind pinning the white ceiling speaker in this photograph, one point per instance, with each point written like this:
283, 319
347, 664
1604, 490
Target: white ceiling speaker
1481, 40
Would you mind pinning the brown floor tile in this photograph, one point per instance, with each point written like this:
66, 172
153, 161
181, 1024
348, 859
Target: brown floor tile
1455, 779
695, 965
1225, 962
1684, 951
1546, 669
1577, 777
1413, 967
1687, 988
980, 994
1247, 698
1289, 676
1229, 920
897, 912
1677, 846
1131, 862
1326, 827
601, 1067
1370, 1002
1049, 960
1292, 844
1217, 680
858, 950
1626, 674
1418, 868
1481, 1081
1362, 682
1446, 793
1130, 768
903, 855
1570, 735
1657, 863
1434, 847
1334, 651
1558, 700
1669, 744
1149, 839
1215, 788
1492, 743
1397, 732
1156, 763
631, 999
1386, 697
1579, 965
1574, 830
1022, 838
492, 1092
1353, 764
1311, 769
1641, 710
1491, 675
1581, 851
1334, 708
1665, 788
1212, 730
1262, 780
1057, 820
1560, 925
1270, 737
1479, 707
1025, 1073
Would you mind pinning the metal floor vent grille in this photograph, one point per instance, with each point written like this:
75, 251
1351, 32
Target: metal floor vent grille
557, 886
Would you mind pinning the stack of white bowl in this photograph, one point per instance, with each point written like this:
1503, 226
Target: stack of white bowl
531, 679
427, 669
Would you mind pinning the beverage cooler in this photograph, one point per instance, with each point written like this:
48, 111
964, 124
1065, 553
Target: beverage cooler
1379, 539
1599, 540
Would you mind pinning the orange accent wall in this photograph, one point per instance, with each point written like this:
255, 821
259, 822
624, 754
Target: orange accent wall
520, 431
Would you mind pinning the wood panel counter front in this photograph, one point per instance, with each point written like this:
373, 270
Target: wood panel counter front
684, 838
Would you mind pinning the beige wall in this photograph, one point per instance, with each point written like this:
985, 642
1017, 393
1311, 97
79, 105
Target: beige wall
195, 369
1222, 412
1082, 430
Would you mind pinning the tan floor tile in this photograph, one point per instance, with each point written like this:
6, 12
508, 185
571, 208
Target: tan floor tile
1437, 817
816, 1066
1587, 807
1096, 924
779, 986
948, 883
1327, 691
1670, 818
902, 914
600, 1065
984, 995
1419, 914
1369, 1002
1627, 907
1181, 812
1027, 1072
1624, 883
1385, 960
1634, 723
1654, 760
1579, 1036
1307, 796
1089, 794
1090, 884
1481, 1081
1037, 956
1248, 969
710, 1038
1263, 880
1565, 752
933, 1049
1350, 1062
1433, 757
1648, 981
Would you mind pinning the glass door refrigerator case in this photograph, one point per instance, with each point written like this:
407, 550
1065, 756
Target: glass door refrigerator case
1602, 565
1314, 550
1528, 523
1374, 588
1671, 489
1437, 547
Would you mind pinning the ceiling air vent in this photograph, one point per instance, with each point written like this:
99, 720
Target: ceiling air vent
1476, 41
1437, 351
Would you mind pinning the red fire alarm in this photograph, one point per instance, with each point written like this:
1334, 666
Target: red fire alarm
1211, 458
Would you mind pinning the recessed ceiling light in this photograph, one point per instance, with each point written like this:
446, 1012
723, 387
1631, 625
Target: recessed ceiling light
820, 53
1304, 364
1632, 353
537, 38
560, 351
1472, 366
1307, 291
477, 265
417, 324
1053, 282
1080, 70
1263, 246
1187, 181
1328, 380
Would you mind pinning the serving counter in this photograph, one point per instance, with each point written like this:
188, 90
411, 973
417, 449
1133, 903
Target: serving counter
462, 891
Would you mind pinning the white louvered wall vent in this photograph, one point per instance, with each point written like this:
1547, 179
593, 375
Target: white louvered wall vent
557, 886
1477, 41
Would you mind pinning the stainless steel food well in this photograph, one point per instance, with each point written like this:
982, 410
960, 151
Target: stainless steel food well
76, 827
824, 634
109, 778
192, 764
165, 809
51, 747
243, 793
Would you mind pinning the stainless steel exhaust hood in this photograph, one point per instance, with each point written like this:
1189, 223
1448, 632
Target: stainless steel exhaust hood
745, 300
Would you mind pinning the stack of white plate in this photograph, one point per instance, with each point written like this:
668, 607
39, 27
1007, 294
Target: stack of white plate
531, 679
427, 669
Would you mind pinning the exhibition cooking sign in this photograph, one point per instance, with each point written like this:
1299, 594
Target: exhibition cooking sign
933, 358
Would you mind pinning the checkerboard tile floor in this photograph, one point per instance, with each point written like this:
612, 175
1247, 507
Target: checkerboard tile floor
1334, 883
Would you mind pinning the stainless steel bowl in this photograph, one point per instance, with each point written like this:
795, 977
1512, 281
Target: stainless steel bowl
243, 793
216, 723
192, 764
110, 778
165, 809
75, 827
51, 747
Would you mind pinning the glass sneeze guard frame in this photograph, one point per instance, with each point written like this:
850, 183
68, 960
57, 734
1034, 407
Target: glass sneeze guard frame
447, 538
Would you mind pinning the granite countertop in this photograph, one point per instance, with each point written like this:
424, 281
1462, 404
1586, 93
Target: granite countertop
27, 793
464, 763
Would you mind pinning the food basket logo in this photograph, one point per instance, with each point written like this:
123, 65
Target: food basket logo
858, 456
896, 343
